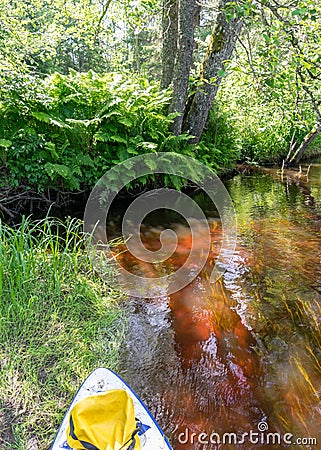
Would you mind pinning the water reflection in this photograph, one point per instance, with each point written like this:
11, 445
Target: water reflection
227, 356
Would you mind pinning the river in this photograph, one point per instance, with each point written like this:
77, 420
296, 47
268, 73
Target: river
241, 356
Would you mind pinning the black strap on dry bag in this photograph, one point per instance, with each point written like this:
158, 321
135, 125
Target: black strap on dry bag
89, 446
86, 445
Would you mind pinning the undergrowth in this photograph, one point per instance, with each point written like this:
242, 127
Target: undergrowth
58, 321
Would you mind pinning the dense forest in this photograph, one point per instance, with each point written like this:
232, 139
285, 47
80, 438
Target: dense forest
88, 84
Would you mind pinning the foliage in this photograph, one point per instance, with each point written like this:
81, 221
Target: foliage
220, 143
58, 322
88, 34
263, 130
47, 35
262, 96
274, 85
67, 130
63, 125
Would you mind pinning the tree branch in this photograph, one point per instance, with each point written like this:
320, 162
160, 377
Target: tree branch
101, 18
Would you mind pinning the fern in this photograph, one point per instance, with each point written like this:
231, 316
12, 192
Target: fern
78, 126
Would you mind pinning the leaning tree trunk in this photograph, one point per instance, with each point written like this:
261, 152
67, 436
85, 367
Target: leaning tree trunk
307, 140
183, 62
221, 47
170, 38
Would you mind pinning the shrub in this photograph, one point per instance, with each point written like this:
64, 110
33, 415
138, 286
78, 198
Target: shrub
72, 128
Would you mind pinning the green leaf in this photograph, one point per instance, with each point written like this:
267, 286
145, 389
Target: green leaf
300, 11
83, 160
110, 114
222, 73
148, 145
51, 148
41, 116
132, 151
269, 82
126, 121
119, 139
57, 169
266, 38
5, 143
152, 165
85, 123
101, 136
59, 123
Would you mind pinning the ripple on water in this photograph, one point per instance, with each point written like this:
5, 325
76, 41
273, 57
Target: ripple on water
225, 357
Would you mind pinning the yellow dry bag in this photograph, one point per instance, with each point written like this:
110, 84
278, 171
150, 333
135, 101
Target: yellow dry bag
104, 422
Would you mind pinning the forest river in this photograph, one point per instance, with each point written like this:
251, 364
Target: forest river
237, 364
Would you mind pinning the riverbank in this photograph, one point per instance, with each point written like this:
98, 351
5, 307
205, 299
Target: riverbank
58, 322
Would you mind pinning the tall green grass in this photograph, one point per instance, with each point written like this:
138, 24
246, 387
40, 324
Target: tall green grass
58, 321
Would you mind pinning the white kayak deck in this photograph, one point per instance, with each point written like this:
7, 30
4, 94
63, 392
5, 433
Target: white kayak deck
101, 380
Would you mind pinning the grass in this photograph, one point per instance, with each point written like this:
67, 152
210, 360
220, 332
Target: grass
58, 321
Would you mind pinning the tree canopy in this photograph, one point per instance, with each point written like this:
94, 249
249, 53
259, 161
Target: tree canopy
86, 84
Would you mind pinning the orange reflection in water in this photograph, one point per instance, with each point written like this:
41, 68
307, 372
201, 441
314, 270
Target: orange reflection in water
246, 349
211, 342
222, 383
285, 281
200, 317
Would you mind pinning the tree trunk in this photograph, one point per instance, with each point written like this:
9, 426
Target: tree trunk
307, 140
197, 21
136, 46
183, 61
170, 38
221, 47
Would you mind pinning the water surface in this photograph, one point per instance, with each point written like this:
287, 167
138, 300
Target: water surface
227, 357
